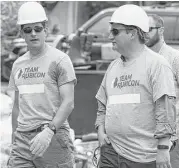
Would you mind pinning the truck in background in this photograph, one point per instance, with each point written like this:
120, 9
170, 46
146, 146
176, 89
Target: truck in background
91, 52
98, 26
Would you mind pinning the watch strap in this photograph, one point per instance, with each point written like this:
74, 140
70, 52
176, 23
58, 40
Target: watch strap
52, 127
162, 147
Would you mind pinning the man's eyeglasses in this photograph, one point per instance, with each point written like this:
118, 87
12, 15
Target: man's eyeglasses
151, 28
96, 157
37, 29
115, 32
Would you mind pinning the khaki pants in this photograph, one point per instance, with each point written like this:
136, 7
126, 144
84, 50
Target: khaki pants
58, 155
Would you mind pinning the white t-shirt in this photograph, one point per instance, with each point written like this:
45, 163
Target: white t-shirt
129, 91
38, 81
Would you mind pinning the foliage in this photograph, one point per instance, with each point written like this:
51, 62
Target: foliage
95, 6
9, 29
9, 17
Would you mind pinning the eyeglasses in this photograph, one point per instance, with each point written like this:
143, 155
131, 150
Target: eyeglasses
96, 156
116, 32
37, 29
151, 28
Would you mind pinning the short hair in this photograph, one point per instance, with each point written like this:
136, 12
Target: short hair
158, 20
142, 35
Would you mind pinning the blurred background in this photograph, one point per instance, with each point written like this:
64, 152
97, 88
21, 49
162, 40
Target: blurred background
80, 29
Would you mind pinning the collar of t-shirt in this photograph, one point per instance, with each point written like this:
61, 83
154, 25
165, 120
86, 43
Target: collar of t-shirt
40, 54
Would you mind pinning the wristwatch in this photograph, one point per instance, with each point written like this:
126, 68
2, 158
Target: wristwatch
162, 147
52, 127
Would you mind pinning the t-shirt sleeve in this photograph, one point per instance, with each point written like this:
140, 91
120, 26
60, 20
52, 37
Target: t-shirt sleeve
12, 85
65, 72
101, 94
162, 81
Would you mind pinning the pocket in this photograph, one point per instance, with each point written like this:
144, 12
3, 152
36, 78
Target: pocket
108, 156
16, 137
103, 148
108, 149
63, 138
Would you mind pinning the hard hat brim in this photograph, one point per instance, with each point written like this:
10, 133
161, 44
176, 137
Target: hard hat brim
30, 22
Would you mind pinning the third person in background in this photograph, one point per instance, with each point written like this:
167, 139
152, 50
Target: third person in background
156, 43
136, 99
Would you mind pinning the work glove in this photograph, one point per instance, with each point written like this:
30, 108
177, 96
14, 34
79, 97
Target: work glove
163, 158
41, 141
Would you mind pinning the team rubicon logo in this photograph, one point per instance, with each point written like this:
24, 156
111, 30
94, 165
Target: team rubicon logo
20, 73
124, 81
30, 72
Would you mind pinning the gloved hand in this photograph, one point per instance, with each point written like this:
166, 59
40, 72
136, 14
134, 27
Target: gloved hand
163, 158
41, 141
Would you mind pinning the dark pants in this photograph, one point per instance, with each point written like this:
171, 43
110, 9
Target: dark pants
110, 159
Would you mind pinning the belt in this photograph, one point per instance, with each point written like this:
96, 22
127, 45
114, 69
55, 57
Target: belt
39, 129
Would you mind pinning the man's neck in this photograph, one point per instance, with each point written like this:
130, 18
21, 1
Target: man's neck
34, 52
133, 52
156, 48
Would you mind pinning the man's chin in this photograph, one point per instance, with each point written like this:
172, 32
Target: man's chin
114, 48
149, 44
35, 46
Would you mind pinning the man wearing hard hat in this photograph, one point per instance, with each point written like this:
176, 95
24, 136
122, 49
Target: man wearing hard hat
136, 99
43, 80
156, 43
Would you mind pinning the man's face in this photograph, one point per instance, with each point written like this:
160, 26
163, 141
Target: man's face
119, 37
34, 35
154, 36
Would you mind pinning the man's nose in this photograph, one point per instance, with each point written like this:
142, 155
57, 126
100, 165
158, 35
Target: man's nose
33, 32
111, 37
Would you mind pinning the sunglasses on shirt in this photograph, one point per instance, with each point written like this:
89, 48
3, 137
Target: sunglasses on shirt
116, 32
37, 29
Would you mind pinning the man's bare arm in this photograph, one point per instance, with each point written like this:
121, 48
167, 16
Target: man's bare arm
67, 104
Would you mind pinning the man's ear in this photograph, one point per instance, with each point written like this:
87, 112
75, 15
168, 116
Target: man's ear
46, 30
161, 30
133, 33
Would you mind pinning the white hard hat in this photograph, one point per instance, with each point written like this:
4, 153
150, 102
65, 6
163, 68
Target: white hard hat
31, 12
133, 15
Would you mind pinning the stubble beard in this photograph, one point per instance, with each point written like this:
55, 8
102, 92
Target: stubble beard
153, 41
